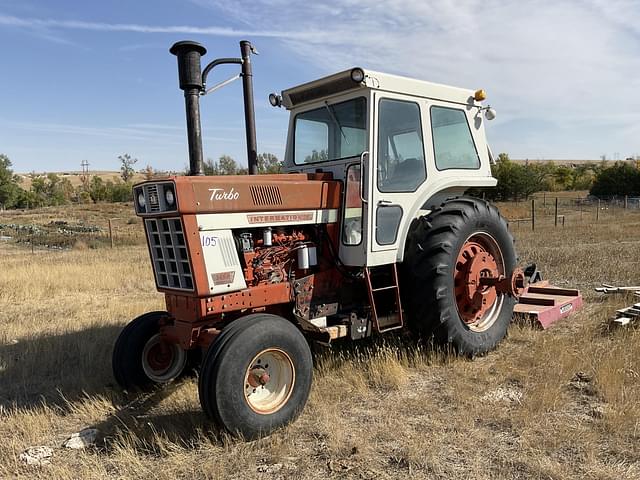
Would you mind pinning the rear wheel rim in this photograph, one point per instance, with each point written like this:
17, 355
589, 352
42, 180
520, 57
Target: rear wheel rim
162, 361
269, 381
478, 306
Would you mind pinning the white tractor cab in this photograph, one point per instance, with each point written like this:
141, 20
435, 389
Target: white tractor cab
402, 147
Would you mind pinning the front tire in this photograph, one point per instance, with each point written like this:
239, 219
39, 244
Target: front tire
141, 359
256, 376
447, 252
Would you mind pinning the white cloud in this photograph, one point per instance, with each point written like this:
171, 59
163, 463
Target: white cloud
562, 74
36, 23
570, 66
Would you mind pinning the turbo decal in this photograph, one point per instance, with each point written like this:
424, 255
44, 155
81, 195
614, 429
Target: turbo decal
222, 194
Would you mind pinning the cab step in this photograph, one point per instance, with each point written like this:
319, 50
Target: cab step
384, 297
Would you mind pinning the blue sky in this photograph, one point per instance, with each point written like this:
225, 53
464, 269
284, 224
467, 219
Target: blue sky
92, 80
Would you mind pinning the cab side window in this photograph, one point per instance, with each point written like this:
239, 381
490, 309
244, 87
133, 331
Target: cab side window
452, 141
401, 166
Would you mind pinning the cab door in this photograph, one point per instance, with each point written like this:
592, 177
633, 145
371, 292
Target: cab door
397, 170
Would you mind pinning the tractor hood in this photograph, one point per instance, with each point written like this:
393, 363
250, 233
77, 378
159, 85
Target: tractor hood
238, 193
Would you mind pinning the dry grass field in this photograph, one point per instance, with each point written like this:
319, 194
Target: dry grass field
555, 404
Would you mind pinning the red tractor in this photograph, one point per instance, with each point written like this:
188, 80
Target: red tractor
366, 232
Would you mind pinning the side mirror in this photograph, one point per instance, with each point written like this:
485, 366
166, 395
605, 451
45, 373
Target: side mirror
490, 113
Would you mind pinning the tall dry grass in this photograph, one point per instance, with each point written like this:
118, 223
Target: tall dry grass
560, 403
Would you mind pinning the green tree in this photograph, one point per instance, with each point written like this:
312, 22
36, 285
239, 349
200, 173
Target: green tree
126, 168
579, 177
269, 163
517, 181
622, 178
49, 189
119, 192
97, 189
10, 191
228, 165
225, 165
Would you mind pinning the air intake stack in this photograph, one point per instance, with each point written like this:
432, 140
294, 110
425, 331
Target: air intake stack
192, 80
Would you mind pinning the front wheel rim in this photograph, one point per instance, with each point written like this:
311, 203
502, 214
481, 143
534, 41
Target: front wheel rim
269, 381
161, 361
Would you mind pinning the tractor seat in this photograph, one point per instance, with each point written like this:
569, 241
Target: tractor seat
407, 175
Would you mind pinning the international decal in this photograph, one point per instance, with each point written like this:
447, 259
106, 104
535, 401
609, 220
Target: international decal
280, 217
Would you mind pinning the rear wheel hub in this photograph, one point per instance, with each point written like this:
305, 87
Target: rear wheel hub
478, 268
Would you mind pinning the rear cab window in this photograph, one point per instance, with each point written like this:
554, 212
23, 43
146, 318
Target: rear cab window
453, 144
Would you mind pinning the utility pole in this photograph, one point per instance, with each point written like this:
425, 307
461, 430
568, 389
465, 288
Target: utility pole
84, 176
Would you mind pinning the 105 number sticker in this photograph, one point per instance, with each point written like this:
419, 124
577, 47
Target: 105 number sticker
209, 240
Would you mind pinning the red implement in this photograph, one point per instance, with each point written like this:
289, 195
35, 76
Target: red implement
546, 304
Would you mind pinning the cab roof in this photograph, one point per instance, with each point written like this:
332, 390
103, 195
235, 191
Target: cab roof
342, 82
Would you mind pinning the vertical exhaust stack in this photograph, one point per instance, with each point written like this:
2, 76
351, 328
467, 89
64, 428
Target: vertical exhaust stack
192, 81
190, 78
249, 115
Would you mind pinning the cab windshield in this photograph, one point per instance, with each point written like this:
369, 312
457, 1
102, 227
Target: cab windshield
331, 132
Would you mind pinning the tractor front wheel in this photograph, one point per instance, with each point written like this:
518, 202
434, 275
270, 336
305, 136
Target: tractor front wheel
141, 358
256, 376
454, 259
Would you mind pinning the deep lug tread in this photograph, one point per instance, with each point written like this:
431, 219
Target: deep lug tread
433, 243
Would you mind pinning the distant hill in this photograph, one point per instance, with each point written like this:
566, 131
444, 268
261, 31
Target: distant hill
567, 162
75, 177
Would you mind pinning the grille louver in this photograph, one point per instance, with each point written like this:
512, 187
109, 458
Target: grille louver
151, 192
265, 195
169, 253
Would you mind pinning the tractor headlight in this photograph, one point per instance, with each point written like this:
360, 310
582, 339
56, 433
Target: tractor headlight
275, 100
141, 201
169, 196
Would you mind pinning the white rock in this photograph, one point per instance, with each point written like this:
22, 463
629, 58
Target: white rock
37, 456
503, 394
82, 439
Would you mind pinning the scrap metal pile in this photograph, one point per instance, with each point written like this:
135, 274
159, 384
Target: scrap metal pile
626, 315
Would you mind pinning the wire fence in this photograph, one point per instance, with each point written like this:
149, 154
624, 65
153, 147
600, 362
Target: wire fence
548, 211
62, 235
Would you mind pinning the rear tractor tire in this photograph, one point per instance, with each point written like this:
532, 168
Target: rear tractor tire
447, 253
141, 359
256, 376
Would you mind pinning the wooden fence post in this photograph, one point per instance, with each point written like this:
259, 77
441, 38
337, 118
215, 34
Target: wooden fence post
111, 233
533, 214
580, 210
555, 217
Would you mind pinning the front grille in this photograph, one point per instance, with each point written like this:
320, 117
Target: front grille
265, 195
151, 192
153, 198
169, 253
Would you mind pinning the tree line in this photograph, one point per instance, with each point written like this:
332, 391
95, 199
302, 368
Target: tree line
51, 189
516, 180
